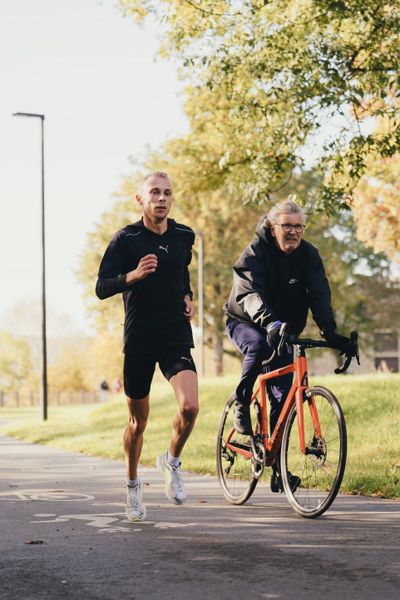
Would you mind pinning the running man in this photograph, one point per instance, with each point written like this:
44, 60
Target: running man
148, 263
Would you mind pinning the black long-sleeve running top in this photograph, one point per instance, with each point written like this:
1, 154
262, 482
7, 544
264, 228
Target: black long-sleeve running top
154, 307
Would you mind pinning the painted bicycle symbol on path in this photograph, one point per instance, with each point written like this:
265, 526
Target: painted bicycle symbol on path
107, 522
103, 522
45, 495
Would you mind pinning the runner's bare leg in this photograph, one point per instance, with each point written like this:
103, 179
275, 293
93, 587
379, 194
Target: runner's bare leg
185, 387
138, 411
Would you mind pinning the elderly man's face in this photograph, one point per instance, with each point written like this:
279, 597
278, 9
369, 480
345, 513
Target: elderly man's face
288, 231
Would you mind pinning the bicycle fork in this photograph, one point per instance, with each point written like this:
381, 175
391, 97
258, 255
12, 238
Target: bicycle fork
317, 446
303, 394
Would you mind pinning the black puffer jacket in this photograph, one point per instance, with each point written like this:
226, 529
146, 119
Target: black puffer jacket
269, 285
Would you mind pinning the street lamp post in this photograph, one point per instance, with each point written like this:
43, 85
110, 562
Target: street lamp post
43, 395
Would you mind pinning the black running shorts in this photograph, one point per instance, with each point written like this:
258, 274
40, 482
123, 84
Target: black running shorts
139, 368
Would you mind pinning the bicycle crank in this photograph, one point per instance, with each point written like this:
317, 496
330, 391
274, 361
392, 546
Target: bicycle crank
258, 458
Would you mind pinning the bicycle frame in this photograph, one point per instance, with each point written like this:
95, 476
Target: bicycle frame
272, 443
315, 449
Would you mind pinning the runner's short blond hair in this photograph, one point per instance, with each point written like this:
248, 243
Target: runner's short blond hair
155, 174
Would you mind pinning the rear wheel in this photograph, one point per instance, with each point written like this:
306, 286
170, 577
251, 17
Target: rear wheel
236, 468
322, 466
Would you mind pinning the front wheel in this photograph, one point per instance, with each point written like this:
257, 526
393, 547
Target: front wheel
322, 466
237, 473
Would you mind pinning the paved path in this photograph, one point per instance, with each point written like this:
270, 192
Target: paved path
64, 535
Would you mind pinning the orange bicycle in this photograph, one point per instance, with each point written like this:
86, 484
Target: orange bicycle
310, 435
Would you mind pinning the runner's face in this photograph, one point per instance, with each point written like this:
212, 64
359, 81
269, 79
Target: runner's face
156, 198
287, 241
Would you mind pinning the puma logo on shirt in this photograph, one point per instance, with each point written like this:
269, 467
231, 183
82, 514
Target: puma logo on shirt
165, 248
293, 280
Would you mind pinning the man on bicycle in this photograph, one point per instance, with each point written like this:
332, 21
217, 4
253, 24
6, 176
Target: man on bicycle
277, 278
148, 263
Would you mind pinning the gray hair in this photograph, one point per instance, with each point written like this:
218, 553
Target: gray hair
288, 206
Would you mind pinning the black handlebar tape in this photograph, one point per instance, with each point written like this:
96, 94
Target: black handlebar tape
344, 367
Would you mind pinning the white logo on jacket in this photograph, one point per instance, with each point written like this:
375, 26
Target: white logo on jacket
293, 280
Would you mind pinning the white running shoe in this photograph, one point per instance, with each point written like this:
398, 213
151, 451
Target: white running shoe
135, 509
173, 483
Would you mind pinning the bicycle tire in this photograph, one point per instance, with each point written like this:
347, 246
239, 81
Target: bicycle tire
321, 470
235, 472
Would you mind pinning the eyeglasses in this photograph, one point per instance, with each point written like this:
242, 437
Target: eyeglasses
288, 227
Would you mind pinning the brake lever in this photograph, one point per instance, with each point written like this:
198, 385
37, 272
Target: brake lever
346, 364
283, 332
354, 341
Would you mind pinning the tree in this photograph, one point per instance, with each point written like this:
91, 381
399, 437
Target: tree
265, 77
105, 350
21, 351
227, 226
106, 316
376, 207
67, 369
15, 362
364, 296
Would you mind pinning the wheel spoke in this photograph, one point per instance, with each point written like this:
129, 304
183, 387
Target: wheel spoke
321, 469
234, 462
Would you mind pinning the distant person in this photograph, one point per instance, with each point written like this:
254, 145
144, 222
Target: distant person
104, 389
277, 278
104, 385
117, 385
148, 263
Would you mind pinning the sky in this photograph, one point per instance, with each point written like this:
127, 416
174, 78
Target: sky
106, 96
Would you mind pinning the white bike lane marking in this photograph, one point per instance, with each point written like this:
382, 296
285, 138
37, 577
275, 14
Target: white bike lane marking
107, 522
103, 522
45, 495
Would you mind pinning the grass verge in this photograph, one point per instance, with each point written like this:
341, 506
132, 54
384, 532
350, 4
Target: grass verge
370, 404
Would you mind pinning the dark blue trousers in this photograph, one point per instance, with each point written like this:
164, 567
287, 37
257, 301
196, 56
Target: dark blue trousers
252, 343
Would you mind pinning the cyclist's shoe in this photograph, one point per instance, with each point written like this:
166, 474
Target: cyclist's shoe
241, 418
173, 482
277, 484
134, 508
294, 481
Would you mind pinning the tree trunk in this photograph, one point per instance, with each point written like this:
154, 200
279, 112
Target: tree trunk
218, 339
